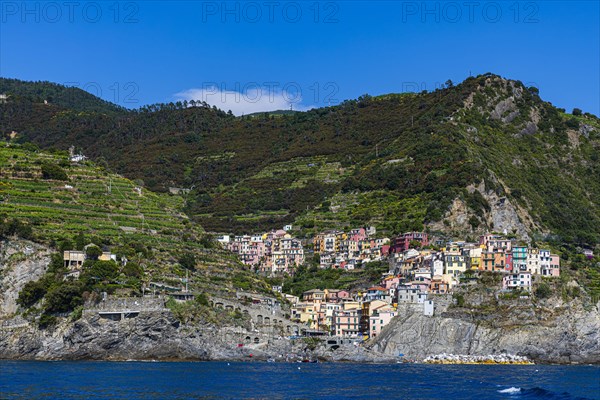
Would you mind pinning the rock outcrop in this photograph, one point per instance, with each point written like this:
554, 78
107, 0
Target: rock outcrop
21, 261
568, 335
160, 336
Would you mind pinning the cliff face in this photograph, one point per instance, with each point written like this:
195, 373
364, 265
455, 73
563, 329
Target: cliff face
150, 336
568, 335
159, 336
21, 261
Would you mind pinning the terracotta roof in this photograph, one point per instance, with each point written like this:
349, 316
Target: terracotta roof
379, 288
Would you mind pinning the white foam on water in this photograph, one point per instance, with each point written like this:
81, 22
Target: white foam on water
510, 390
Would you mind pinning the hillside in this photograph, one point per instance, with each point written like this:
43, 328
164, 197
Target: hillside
68, 205
487, 154
58, 95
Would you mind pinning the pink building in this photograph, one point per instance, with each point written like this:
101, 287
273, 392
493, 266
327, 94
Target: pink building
402, 242
508, 261
250, 250
357, 235
379, 319
385, 250
346, 323
390, 282
554, 268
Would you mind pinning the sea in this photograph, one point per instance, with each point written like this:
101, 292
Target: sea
261, 380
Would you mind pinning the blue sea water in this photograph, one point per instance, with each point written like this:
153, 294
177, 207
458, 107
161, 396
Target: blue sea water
254, 380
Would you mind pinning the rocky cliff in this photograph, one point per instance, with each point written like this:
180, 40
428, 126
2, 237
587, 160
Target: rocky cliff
568, 334
553, 330
160, 336
21, 261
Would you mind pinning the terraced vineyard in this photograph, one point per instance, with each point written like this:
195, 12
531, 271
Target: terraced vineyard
91, 200
113, 209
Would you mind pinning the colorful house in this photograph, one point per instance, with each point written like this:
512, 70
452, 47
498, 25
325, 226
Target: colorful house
519, 258
520, 280
402, 242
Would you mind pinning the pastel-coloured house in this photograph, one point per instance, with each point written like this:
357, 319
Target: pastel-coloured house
520, 280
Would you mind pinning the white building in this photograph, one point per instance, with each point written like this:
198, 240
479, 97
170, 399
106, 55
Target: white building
224, 239
520, 280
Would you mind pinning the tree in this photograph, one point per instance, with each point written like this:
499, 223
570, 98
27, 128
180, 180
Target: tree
133, 270
202, 299
414, 244
577, 111
188, 260
474, 222
103, 271
32, 292
53, 171
93, 252
80, 241
10, 227
64, 298
65, 245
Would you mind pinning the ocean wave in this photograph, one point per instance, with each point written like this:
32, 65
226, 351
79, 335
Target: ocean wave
538, 393
510, 390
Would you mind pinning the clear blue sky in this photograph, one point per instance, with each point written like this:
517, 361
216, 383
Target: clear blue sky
136, 53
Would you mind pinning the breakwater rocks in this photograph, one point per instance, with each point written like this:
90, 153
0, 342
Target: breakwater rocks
470, 359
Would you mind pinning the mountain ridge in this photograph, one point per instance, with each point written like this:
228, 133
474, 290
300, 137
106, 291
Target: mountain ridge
400, 162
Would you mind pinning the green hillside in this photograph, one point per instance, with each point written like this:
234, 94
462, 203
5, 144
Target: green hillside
397, 161
65, 202
57, 95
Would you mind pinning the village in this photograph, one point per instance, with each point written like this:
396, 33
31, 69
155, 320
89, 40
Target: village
422, 271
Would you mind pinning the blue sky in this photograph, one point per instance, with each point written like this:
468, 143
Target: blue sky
254, 56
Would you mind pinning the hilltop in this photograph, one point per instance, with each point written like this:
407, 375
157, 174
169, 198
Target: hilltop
63, 96
486, 154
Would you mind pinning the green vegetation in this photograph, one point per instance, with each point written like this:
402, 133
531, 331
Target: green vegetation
395, 161
56, 95
199, 311
543, 291
459, 298
312, 277
100, 211
14, 227
52, 171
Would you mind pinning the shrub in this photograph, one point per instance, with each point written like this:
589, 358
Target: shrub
102, 271
80, 241
202, 299
474, 222
93, 252
32, 292
188, 260
66, 245
577, 111
543, 291
15, 227
64, 298
53, 171
133, 270
460, 299
47, 321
